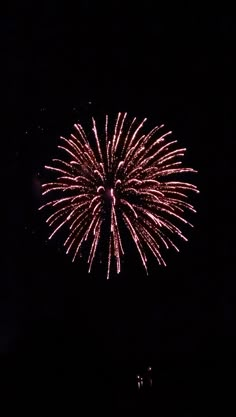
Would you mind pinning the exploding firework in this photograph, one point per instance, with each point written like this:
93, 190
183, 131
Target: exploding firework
122, 180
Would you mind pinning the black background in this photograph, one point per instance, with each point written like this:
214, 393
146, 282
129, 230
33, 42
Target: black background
72, 341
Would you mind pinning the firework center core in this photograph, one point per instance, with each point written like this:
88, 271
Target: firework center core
109, 195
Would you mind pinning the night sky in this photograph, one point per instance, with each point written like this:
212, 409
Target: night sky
70, 340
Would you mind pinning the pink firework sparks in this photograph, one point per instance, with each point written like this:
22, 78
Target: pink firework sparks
123, 178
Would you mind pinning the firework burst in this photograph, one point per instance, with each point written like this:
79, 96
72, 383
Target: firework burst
123, 179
